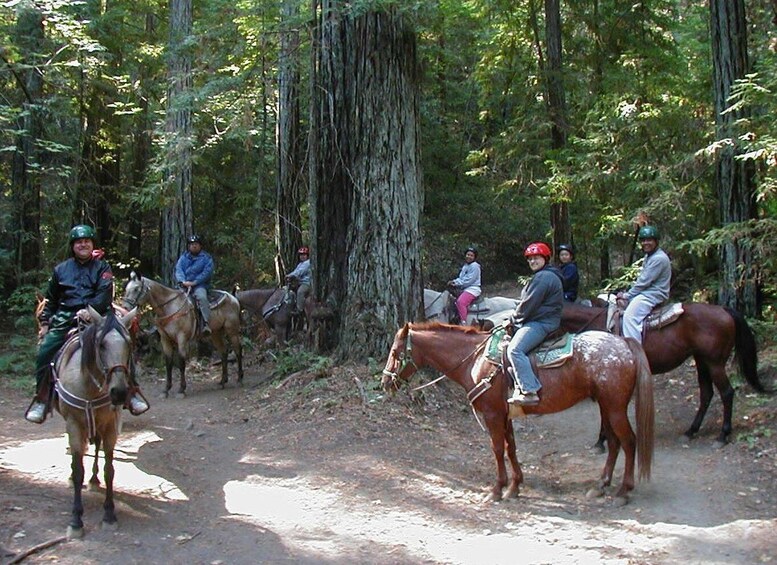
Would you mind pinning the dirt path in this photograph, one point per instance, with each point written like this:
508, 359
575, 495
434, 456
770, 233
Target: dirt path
323, 470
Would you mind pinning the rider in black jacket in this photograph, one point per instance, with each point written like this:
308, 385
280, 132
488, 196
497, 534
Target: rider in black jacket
81, 281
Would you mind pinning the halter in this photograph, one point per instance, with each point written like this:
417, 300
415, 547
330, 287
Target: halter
403, 358
161, 320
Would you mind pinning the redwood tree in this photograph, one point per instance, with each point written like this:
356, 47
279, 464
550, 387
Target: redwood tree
365, 175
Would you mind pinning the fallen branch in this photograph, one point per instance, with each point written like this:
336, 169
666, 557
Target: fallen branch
40, 547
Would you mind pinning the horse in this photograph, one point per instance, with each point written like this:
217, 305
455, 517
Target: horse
603, 367
92, 383
274, 305
706, 332
177, 323
440, 307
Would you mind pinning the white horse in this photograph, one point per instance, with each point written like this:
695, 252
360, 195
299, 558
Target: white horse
438, 307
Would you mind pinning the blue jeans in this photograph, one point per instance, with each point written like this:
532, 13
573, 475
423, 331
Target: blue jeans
201, 294
524, 340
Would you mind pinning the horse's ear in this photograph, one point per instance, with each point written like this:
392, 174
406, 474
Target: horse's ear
94, 314
134, 276
127, 318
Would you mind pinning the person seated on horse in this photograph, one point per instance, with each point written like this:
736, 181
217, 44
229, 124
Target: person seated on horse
538, 313
568, 268
302, 275
193, 272
651, 287
468, 282
80, 281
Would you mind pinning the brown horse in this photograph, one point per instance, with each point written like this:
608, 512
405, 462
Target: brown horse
707, 332
603, 367
274, 305
92, 382
177, 322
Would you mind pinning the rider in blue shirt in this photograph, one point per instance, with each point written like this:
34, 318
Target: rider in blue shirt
193, 272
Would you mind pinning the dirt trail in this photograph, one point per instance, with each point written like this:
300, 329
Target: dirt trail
312, 471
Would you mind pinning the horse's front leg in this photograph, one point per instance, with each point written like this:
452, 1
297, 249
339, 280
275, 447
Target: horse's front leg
76, 527
109, 510
182, 369
496, 425
168, 375
515, 484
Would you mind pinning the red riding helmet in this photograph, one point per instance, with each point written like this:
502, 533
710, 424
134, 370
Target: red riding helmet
537, 248
303, 251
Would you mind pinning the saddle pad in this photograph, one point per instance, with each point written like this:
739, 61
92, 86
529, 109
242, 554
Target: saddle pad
553, 353
216, 297
663, 316
496, 345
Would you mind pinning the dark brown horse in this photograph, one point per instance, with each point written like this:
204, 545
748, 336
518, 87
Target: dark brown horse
706, 332
603, 367
273, 305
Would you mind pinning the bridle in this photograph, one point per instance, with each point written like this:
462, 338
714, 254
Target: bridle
159, 309
405, 358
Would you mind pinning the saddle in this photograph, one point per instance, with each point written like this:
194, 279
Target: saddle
661, 316
553, 352
283, 296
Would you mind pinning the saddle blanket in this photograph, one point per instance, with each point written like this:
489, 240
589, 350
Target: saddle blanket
550, 353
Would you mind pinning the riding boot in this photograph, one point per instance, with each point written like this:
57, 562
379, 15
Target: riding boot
519, 396
39, 407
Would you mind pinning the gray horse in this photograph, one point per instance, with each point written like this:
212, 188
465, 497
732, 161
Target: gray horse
438, 307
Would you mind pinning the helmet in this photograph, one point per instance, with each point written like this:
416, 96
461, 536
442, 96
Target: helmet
537, 248
194, 238
303, 251
473, 249
566, 247
81, 232
648, 232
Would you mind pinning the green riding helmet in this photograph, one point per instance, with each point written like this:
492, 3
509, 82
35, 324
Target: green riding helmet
81, 232
648, 232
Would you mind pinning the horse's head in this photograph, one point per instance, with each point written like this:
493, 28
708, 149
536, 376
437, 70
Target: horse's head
107, 353
135, 292
400, 365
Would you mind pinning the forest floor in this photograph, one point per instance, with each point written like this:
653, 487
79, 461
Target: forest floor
323, 468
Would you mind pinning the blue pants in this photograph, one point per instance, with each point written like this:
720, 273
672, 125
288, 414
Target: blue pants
201, 294
524, 340
638, 309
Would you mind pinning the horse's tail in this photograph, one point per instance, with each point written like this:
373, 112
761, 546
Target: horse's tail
746, 351
645, 410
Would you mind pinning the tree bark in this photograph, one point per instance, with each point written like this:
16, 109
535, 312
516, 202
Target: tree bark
559, 208
290, 193
176, 218
734, 178
365, 178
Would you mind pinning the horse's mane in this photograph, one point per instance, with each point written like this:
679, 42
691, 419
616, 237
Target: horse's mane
94, 334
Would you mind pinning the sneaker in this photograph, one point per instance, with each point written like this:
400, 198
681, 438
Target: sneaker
524, 398
37, 413
205, 330
137, 405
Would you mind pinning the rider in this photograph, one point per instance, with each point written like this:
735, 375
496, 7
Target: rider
568, 267
651, 287
81, 281
302, 273
469, 283
537, 314
193, 272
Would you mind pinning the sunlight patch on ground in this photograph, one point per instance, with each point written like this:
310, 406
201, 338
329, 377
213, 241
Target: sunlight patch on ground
48, 460
320, 519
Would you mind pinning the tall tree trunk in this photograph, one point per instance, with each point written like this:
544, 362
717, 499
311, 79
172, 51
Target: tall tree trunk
365, 180
290, 194
25, 184
559, 208
734, 178
176, 218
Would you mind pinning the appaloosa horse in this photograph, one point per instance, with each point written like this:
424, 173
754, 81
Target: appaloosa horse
177, 322
706, 332
602, 367
92, 379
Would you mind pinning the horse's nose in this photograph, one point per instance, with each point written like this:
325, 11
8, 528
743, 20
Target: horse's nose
118, 393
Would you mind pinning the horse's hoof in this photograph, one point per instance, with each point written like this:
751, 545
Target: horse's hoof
619, 501
595, 492
598, 448
109, 526
75, 533
94, 486
685, 439
180, 395
492, 497
719, 444
512, 492
163, 396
